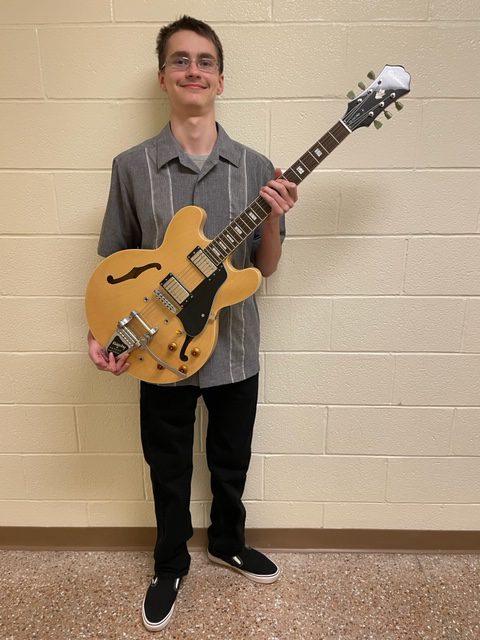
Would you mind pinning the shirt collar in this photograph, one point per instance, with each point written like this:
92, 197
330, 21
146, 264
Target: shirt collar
168, 148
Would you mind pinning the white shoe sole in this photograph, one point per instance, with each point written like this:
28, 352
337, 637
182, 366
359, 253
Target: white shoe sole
254, 577
156, 626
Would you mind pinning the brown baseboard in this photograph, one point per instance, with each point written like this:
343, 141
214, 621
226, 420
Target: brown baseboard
341, 540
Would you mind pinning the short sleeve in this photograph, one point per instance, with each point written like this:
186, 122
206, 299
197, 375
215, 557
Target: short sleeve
120, 228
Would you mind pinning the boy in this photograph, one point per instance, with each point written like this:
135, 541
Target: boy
193, 161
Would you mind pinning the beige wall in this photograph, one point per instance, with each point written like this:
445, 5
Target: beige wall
369, 413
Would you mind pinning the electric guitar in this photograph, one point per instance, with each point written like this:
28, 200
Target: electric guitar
162, 305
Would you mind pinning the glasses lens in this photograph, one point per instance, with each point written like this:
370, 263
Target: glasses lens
207, 64
182, 63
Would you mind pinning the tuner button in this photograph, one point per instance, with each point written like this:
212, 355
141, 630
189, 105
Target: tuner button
398, 106
172, 346
377, 124
371, 75
195, 352
351, 95
362, 85
388, 115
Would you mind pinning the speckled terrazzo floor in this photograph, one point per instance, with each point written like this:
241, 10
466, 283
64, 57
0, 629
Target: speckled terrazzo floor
65, 595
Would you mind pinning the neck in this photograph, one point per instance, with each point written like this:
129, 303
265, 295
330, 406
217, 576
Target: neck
195, 134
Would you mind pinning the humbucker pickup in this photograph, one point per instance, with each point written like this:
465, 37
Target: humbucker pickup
202, 262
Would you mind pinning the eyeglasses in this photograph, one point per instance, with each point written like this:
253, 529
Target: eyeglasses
182, 63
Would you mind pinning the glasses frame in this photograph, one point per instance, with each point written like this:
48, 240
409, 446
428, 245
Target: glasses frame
171, 64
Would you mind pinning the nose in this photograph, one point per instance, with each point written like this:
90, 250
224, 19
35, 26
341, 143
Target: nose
190, 70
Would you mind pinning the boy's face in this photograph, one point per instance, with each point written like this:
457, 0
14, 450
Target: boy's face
191, 91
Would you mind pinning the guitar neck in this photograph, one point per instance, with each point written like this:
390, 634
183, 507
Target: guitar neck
225, 243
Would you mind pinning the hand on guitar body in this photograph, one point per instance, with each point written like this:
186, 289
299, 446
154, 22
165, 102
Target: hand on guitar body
106, 361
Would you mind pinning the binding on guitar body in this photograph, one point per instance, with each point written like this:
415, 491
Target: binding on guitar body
162, 305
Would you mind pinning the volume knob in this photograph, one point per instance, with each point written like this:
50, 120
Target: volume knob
172, 346
183, 369
195, 352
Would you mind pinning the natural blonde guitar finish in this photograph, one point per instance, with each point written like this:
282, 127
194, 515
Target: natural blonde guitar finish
107, 303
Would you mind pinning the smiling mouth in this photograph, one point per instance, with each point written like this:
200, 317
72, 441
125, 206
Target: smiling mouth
193, 85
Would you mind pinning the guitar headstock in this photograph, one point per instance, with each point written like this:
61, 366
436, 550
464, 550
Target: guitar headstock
392, 83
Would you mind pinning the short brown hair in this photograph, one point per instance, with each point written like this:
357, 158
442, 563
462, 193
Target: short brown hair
187, 23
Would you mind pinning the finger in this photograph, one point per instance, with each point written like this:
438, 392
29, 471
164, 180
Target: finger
122, 369
278, 197
287, 189
284, 187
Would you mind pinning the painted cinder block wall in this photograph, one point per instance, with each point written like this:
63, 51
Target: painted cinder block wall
370, 393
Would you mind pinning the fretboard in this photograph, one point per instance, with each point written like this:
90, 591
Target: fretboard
258, 211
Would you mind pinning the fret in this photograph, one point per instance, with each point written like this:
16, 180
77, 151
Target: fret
211, 256
309, 161
254, 217
317, 152
228, 242
300, 169
262, 205
216, 252
223, 246
231, 239
233, 232
328, 142
340, 131
238, 229
245, 220
241, 224
289, 174
333, 136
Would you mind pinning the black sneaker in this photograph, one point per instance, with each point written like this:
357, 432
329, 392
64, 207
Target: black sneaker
159, 602
253, 564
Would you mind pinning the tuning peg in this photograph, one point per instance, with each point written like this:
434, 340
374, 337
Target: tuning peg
388, 115
398, 106
371, 75
362, 86
351, 95
377, 124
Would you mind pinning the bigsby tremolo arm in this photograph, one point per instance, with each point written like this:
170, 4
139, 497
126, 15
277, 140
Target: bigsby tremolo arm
125, 340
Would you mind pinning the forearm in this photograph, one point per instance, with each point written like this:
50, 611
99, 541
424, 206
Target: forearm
270, 248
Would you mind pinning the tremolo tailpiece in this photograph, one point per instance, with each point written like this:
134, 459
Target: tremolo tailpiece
125, 340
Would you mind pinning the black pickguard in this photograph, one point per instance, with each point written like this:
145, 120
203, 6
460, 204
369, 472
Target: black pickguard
196, 309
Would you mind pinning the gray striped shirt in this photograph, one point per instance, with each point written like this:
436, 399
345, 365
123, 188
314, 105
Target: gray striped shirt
156, 178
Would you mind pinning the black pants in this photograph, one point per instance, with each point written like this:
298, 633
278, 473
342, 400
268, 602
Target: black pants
167, 416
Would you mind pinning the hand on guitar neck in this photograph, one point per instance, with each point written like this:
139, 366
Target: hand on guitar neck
280, 195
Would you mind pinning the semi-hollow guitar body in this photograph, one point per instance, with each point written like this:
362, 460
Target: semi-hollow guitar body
168, 306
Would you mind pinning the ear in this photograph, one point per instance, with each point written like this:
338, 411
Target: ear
161, 80
221, 84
